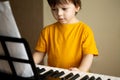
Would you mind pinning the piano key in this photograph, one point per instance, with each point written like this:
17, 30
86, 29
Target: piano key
40, 70
55, 72
46, 70
59, 74
98, 78
74, 77
86, 77
92, 78
67, 76
48, 73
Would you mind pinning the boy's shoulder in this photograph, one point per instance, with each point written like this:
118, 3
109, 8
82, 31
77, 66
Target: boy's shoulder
85, 25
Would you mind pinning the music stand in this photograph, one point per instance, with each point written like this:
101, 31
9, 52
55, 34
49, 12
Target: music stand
6, 57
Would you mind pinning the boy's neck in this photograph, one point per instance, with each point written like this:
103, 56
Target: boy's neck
75, 20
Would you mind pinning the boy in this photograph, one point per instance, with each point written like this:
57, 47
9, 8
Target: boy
69, 43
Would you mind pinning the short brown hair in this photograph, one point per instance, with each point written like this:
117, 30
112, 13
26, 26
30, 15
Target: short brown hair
53, 3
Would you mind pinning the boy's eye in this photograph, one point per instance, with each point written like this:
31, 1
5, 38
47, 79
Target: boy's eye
64, 8
53, 9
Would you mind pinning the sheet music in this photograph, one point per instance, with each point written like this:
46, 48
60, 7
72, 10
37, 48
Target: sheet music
9, 28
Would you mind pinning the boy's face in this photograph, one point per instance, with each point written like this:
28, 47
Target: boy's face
65, 13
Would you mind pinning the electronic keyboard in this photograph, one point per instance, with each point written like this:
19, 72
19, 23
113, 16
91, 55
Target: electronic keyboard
64, 74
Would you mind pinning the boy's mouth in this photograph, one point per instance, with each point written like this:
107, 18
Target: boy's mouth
60, 19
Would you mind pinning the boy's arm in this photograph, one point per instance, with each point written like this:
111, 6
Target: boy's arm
85, 64
38, 57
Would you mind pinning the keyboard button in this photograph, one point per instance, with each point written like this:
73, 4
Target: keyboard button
86, 77
67, 76
98, 78
40, 70
92, 78
75, 77
48, 73
59, 74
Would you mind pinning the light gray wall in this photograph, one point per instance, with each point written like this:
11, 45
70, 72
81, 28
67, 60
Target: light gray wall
104, 18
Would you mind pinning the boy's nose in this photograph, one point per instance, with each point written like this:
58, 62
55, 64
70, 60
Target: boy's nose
60, 12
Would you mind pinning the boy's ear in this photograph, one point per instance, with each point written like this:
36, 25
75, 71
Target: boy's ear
77, 8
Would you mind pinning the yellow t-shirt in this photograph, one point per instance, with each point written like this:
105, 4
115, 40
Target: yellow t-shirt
65, 44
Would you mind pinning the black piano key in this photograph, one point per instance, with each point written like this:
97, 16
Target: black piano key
40, 70
98, 78
59, 74
92, 78
48, 73
86, 77
54, 73
74, 77
67, 76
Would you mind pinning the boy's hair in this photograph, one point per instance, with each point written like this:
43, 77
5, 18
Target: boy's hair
53, 3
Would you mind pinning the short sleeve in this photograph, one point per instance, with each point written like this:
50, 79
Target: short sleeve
89, 44
41, 44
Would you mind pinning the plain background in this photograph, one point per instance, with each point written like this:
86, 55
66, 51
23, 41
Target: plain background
103, 16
